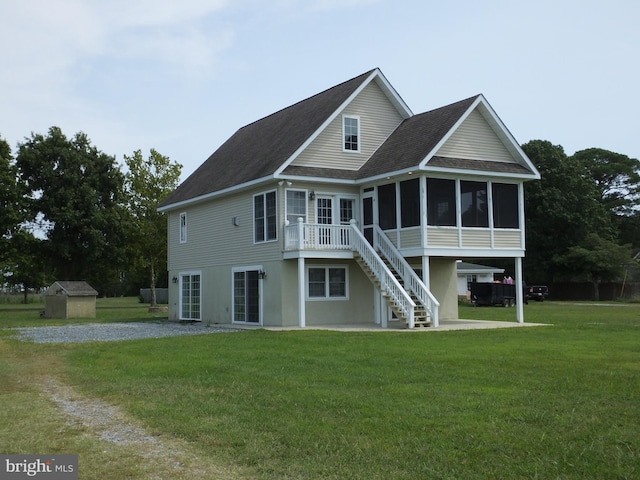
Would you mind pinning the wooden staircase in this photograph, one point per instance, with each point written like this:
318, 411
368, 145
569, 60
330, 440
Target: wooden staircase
421, 317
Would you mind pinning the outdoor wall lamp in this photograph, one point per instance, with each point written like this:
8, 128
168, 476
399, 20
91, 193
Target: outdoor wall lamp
262, 274
312, 195
174, 279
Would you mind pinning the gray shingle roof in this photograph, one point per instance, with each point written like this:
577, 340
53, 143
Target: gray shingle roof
257, 150
73, 289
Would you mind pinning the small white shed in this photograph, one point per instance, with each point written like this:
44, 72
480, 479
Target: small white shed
70, 300
472, 272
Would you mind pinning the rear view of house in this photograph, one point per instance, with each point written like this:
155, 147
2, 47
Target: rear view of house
346, 208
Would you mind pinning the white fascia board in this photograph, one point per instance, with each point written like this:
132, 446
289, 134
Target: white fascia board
459, 172
216, 194
386, 88
390, 175
300, 178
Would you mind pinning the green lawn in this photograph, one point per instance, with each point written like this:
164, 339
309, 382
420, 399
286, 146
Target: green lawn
559, 401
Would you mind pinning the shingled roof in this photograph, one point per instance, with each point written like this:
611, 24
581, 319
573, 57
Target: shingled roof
257, 150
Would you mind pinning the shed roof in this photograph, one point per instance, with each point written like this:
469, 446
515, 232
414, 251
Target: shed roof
72, 289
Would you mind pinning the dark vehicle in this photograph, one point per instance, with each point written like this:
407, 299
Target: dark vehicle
537, 292
493, 294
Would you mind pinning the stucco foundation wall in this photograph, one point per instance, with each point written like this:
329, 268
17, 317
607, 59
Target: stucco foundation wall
444, 285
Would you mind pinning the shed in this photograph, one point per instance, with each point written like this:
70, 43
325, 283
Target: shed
472, 272
70, 300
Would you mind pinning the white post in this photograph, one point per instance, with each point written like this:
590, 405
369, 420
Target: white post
300, 233
519, 291
302, 322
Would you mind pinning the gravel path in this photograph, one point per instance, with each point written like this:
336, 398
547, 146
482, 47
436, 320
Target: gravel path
110, 332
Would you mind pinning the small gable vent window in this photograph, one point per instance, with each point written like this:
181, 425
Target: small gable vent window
183, 227
351, 129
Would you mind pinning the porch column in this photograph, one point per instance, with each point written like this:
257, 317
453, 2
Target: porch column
301, 297
519, 291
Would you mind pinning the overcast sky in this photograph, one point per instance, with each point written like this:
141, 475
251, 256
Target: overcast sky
182, 76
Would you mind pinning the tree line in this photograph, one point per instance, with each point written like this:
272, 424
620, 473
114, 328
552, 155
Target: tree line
69, 211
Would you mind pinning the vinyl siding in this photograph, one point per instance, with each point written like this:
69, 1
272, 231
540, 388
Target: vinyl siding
378, 119
410, 238
442, 237
476, 238
213, 239
507, 239
474, 139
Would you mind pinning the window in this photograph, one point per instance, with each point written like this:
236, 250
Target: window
190, 296
471, 278
327, 283
505, 205
387, 206
296, 206
410, 203
346, 211
351, 129
441, 202
473, 202
183, 227
264, 217
246, 296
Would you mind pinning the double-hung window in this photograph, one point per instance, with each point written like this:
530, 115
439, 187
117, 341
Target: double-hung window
327, 283
264, 217
351, 134
296, 206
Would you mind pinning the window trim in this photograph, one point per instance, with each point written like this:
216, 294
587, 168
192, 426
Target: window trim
344, 134
266, 224
182, 227
327, 297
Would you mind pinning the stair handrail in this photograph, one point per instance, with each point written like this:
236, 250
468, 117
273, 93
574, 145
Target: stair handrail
411, 279
388, 282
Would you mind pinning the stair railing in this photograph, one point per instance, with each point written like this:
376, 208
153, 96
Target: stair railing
411, 280
389, 284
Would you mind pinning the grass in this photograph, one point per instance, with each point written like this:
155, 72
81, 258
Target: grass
550, 402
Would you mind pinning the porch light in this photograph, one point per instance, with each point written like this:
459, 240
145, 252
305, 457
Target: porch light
174, 279
262, 274
312, 195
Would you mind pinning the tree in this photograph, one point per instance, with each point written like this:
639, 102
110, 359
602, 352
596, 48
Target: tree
615, 176
75, 195
25, 265
562, 209
10, 197
148, 182
597, 259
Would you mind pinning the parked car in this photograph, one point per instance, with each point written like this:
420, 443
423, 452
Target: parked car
537, 292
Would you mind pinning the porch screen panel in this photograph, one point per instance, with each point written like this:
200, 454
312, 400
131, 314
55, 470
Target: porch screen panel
505, 205
410, 203
387, 206
441, 202
473, 201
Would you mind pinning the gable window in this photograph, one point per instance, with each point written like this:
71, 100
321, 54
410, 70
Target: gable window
441, 202
264, 217
505, 205
473, 202
387, 206
410, 203
183, 227
327, 283
190, 296
296, 206
351, 133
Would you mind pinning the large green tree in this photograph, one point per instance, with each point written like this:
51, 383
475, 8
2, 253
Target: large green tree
76, 198
562, 209
11, 212
615, 176
148, 181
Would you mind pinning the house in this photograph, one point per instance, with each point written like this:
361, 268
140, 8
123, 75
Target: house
346, 208
70, 300
472, 272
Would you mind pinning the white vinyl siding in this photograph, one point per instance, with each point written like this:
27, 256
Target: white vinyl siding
474, 139
378, 119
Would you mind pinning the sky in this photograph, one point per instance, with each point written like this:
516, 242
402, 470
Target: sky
182, 76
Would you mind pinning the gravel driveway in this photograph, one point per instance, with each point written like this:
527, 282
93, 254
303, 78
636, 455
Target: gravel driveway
110, 332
